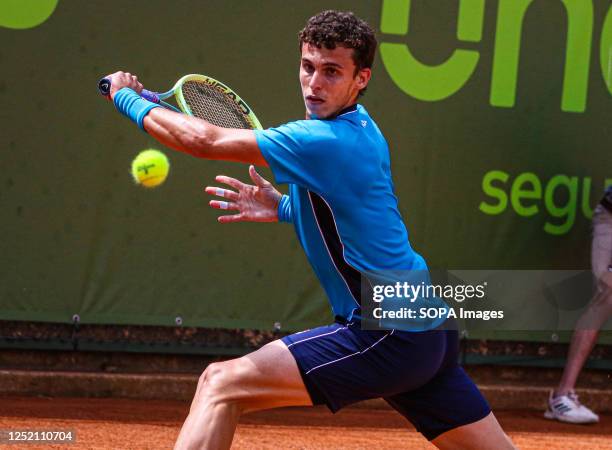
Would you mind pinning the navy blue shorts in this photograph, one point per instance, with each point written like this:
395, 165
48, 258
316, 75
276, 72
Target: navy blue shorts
416, 373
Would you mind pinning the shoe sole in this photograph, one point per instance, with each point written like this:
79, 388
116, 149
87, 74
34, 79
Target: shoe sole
550, 416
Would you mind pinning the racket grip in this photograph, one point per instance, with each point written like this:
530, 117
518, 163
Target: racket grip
104, 86
150, 95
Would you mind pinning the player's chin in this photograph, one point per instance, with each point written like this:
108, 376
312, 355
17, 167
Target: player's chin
317, 109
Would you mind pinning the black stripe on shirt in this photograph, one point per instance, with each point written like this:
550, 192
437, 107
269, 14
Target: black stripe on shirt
325, 219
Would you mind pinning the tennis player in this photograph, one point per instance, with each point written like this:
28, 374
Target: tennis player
563, 403
342, 204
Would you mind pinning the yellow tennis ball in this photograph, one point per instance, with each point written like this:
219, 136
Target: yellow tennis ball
150, 168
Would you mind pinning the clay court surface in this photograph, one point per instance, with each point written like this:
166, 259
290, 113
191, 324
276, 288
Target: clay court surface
137, 424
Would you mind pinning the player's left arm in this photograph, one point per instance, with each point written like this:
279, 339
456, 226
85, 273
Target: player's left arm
259, 202
190, 134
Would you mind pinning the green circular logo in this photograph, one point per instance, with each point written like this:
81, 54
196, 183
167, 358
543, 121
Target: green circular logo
22, 14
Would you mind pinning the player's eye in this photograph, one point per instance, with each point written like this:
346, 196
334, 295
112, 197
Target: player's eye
308, 67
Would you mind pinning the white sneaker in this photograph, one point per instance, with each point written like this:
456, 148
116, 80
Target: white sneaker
567, 408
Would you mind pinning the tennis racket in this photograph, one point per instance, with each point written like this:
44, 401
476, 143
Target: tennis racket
203, 97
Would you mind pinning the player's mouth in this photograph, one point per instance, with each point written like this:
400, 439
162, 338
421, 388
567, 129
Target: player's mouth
314, 100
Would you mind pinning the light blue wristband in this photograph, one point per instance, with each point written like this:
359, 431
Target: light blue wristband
284, 209
133, 106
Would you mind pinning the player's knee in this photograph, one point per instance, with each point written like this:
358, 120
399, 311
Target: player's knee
216, 383
202, 379
212, 372
603, 298
605, 283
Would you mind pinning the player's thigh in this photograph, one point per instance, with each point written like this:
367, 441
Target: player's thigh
447, 402
601, 251
485, 434
600, 307
266, 378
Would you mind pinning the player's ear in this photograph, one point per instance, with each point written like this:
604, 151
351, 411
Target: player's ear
363, 77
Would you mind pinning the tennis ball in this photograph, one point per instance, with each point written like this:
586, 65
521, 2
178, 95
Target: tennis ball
22, 14
150, 168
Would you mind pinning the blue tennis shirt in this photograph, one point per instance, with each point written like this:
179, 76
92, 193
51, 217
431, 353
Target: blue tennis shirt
341, 201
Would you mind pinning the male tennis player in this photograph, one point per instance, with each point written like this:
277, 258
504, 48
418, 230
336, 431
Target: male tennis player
346, 216
563, 404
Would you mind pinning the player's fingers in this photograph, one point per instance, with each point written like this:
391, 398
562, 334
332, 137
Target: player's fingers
118, 80
217, 204
230, 219
133, 82
220, 192
257, 179
233, 182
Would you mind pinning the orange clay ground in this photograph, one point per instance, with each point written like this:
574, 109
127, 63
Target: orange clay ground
139, 424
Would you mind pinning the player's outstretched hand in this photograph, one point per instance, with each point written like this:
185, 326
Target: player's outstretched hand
119, 80
254, 203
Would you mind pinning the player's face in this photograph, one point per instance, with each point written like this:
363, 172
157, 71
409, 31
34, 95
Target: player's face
328, 79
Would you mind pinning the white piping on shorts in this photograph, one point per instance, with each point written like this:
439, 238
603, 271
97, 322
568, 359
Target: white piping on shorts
352, 354
320, 335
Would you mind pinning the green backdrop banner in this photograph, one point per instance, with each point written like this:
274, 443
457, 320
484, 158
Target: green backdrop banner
497, 114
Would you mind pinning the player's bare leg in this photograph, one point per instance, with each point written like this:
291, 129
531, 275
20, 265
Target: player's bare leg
266, 378
585, 334
484, 434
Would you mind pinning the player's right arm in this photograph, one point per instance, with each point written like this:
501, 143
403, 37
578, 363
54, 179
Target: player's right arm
202, 139
190, 134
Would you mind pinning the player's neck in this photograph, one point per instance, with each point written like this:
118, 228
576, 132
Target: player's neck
349, 108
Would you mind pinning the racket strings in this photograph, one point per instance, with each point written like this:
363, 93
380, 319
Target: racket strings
211, 104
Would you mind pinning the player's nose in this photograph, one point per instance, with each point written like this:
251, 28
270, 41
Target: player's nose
315, 81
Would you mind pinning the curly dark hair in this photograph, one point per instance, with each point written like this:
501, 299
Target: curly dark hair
332, 28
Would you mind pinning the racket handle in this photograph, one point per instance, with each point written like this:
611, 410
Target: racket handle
104, 86
150, 95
